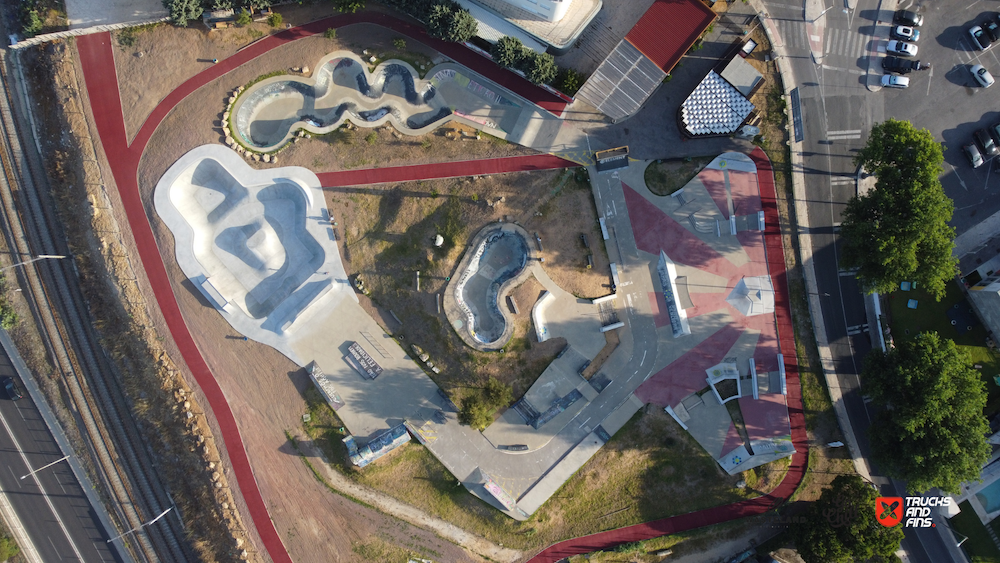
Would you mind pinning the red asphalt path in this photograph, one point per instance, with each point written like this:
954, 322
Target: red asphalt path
797, 469
97, 58
443, 170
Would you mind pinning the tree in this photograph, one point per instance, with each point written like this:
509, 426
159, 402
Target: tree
568, 81
349, 6
475, 412
540, 68
929, 429
508, 52
899, 230
183, 10
274, 20
497, 394
448, 22
244, 18
841, 526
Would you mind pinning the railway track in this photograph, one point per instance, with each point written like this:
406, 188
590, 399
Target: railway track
124, 465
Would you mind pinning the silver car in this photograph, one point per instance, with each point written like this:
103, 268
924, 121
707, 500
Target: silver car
901, 48
982, 76
893, 81
973, 154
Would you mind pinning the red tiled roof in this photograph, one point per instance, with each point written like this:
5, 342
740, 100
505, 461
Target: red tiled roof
668, 29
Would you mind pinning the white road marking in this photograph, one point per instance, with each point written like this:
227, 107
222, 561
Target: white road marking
930, 75
847, 70
957, 175
643, 359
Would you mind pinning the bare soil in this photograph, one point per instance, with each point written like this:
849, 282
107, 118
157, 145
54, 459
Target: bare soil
171, 55
387, 234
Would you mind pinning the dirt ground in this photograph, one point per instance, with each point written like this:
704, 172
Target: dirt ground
388, 232
170, 55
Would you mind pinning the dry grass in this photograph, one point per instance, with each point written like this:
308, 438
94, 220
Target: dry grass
664, 177
388, 233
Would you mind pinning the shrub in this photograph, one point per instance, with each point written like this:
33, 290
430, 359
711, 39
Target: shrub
475, 413
451, 23
349, 6
8, 548
32, 23
183, 10
508, 52
330, 33
372, 138
568, 81
399, 43
244, 18
275, 19
8, 318
497, 394
540, 68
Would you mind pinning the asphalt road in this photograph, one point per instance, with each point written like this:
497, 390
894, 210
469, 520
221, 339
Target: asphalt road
51, 505
830, 60
946, 101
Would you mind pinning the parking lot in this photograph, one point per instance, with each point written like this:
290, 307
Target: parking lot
947, 101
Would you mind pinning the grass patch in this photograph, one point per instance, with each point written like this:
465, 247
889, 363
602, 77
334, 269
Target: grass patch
979, 546
127, 37
931, 315
664, 177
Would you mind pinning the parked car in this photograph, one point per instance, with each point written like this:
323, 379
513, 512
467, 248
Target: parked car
992, 29
972, 152
893, 81
985, 142
905, 33
13, 393
900, 66
996, 132
912, 19
979, 39
982, 76
902, 49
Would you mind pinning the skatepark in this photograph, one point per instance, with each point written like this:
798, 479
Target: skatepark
268, 113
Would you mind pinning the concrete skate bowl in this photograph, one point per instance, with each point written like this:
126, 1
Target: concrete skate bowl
245, 236
268, 113
497, 261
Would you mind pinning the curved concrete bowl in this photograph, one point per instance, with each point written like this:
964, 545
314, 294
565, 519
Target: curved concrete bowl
496, 262
256, 243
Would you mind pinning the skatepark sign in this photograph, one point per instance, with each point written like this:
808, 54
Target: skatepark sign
612, 159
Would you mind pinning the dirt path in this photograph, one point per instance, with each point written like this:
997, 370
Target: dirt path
404, 511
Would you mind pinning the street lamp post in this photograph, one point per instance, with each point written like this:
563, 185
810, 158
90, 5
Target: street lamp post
35, 259
45, 466
141, 526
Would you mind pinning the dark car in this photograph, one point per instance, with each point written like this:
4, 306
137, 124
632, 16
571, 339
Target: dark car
912, 19
996, 132
979, 38
992, 29
13, 393
986, 143
900, 65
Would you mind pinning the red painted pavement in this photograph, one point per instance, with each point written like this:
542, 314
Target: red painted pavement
98, 65
759, 505
443, 170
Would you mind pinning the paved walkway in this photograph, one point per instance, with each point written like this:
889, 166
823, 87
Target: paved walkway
100, 75
443, 170
796, 471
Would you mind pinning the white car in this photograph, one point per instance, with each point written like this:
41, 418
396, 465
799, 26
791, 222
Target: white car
982, 76
893, 81
979, 39
905, 33
902, 49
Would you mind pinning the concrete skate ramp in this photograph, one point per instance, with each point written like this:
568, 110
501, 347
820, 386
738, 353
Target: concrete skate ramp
258, 238
268, 114
503, 256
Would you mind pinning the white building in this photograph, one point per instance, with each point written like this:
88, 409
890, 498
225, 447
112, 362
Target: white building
549, 10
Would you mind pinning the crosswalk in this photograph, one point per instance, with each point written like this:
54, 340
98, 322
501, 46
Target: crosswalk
842, 42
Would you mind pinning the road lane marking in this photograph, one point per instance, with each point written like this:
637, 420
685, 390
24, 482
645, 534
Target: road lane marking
643, 359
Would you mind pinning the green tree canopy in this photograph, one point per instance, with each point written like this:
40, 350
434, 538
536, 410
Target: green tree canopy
508, 52
183, 10
497, 394
841, 526
929, 429
451, 23
349, 6
540, 68
899, 230
475, 412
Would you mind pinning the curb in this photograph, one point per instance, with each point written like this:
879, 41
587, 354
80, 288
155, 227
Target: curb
805, 248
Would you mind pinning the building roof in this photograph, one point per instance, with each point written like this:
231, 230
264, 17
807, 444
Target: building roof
668, 29
493, 26
742, 76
